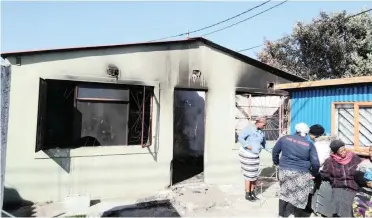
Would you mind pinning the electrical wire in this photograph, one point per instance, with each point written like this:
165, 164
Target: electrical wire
355, 15
257, 46
213, 25
347, 18
234, 24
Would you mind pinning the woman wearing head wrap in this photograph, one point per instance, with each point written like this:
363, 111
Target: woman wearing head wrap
340, 169
315, 131
321, 143
298, 161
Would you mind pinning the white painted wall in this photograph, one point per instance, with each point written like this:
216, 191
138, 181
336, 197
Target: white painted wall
122, 171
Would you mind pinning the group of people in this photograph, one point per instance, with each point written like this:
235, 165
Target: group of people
306, 159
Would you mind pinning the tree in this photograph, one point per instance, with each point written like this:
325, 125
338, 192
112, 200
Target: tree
331, 46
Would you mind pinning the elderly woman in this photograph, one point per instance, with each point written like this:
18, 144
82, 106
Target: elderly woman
252, 139
340, 169
297, 166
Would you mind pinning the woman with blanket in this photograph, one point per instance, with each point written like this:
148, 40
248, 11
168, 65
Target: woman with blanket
362, 204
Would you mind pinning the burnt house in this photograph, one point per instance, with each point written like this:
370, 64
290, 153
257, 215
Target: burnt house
121, 120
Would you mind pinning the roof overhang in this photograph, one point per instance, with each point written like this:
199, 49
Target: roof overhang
209, 43
325, 83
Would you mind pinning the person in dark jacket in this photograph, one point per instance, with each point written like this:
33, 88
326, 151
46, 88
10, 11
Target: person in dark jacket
298, 164
340, 169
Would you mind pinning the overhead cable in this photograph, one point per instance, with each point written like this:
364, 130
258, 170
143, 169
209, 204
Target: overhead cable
212, 25
351, 16
234, 24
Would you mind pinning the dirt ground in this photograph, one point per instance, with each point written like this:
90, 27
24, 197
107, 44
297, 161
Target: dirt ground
201, 200
183, 200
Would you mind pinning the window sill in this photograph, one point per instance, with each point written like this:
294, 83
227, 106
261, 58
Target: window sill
361, 151
93, 151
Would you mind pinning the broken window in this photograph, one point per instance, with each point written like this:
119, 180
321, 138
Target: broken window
74, 114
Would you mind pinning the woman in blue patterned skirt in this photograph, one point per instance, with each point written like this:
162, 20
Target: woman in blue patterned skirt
298, 156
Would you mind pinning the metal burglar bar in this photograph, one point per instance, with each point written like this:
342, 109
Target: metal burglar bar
272, 107
141, 116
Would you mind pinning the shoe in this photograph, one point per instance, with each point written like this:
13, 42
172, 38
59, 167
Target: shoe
249, 197
254, 196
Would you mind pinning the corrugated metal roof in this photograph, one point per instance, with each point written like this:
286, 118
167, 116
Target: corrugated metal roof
313, 106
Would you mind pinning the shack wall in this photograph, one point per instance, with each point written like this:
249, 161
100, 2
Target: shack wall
314, 106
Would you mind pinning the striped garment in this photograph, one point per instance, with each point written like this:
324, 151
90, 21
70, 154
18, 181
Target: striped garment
250, 164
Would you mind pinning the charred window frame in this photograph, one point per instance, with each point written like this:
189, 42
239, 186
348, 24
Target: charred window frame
139, 101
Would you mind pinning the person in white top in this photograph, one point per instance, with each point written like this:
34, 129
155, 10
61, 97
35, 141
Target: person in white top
321, 142
316, 136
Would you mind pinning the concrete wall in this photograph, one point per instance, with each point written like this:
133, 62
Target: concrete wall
108, 172
221, 152
306, 103
5, 90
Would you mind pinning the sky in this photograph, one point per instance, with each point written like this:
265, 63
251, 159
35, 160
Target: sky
31, 25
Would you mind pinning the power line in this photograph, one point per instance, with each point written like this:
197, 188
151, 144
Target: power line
277, 5
355, 15
218, 23
257, 46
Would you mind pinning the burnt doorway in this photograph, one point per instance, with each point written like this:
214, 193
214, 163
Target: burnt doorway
188, 136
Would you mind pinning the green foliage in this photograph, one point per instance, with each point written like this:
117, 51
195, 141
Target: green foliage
331, 46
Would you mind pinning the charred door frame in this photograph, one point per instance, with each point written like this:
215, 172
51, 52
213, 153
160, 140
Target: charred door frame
205, 90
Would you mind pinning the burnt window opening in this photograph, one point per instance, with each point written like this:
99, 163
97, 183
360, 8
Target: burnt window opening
270, 85
18, 61
74, 114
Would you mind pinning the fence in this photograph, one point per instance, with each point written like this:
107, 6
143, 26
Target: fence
274, 108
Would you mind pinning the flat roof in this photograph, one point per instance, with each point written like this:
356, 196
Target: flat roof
325, 83
235, 54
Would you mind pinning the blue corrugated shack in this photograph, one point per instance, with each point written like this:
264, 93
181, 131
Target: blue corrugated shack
342, 106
